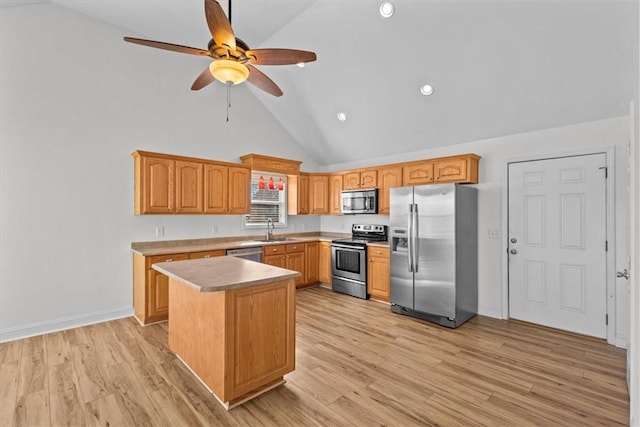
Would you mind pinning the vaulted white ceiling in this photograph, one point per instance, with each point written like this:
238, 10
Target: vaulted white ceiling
497, 67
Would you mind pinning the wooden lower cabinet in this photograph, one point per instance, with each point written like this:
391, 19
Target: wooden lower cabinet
296, 262
151, 288
324, 263
311, 253
378, 273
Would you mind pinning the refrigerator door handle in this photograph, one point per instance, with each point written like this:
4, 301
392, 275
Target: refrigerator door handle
414, 238
409, 243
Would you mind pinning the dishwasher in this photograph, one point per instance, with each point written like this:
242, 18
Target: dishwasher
253, 253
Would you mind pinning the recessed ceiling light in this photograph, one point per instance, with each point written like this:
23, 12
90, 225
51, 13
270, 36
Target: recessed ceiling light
387, 9
426, 90
300, 64
342, 117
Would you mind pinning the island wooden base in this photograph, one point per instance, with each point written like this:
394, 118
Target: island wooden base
238, 342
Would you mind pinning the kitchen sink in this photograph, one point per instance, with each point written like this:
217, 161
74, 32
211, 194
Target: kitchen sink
276, 239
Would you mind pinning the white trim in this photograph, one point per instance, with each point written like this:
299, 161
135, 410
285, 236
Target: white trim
41, 328
609, 153
621, 342
490, 312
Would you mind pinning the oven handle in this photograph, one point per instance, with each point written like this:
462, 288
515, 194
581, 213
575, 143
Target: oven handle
353, 248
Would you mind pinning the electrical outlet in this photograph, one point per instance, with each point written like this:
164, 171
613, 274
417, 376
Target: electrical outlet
214, 229
159, 231
494, 233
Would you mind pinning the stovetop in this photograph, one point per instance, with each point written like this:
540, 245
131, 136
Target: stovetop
361, 234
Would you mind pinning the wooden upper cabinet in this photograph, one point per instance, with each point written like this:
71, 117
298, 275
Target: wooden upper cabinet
318, 194
216, 189
154, 185
335, 193
298, 194
167, 184
388, 178
239, 183
463, 169
189, 186
417, 173
354, 180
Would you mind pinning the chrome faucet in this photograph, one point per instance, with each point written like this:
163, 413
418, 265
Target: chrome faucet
270, 228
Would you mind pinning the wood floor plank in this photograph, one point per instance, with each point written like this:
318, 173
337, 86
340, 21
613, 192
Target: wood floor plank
104, 411
9, 372
356, 364
65, 401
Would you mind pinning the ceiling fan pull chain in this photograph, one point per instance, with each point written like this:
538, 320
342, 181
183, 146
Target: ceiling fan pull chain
228, 100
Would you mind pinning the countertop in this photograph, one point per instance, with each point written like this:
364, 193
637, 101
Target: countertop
165, 247
223, 273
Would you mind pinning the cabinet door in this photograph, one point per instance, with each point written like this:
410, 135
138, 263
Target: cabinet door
378, 274
239, 183
158, 185
157, 299
318, 194
276, 260
324, 263
351, 180
335, 194
388, 178
311, 253
452, 170
189, 192
303, 194
417, 173
295, 261
369, 178
216, 189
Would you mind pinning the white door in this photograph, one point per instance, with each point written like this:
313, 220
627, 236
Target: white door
557, 243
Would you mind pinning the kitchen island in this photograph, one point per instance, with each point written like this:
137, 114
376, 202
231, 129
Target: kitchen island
232, 322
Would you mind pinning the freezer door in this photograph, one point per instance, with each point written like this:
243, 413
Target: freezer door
435, 274
401, 277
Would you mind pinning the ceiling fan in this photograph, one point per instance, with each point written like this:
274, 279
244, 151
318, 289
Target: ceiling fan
233, 60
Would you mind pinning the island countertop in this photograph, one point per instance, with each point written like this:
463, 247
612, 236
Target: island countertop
223, 273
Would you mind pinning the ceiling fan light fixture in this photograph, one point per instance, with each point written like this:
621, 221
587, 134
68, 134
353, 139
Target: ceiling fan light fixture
387, 9
225, 71
300, 64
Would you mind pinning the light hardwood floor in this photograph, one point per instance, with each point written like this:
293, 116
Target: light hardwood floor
357, 364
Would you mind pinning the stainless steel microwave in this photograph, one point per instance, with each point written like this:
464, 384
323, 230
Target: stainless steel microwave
360, 201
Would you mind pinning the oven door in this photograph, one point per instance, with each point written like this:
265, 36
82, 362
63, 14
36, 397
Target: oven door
349, 262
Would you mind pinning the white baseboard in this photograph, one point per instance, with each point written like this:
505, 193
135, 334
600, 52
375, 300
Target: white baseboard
40, 328
489, 312
621, 342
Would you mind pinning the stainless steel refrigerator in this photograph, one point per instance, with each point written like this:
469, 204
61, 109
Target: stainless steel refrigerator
434, 252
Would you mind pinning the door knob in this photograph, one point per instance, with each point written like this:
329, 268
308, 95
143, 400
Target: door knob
513, 251
624, 273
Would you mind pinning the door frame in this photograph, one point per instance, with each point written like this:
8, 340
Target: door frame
609, 153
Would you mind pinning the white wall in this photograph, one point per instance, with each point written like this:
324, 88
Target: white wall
495, 152
76, 100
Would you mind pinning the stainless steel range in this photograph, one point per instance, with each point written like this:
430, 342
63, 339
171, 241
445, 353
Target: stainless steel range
349, 259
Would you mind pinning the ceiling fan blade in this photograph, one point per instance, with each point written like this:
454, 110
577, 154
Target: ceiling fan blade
168, 46
203, 80
259, 79
279, 56
219, 25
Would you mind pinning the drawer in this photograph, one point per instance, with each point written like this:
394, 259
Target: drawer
295, 247
208, 254
166, 258
274, 250
378, 251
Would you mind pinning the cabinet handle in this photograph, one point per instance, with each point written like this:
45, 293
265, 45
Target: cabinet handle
169, 260
275, 250
207, 256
